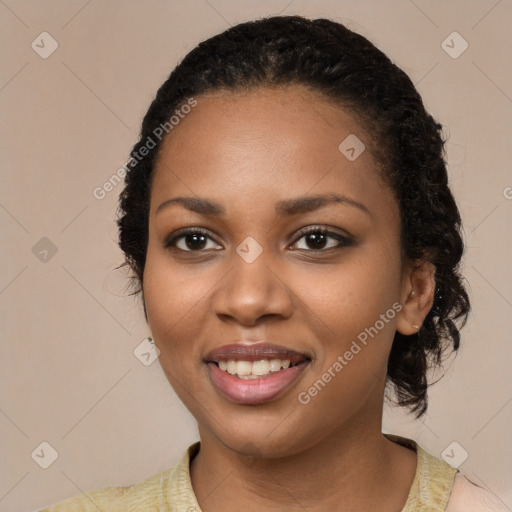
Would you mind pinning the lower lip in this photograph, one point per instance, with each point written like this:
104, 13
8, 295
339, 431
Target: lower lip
254, 391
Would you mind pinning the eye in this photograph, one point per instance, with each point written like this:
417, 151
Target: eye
317, 239
192, 240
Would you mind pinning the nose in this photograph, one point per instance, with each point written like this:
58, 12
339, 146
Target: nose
251, 292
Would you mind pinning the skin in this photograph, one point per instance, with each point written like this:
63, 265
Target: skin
248, 151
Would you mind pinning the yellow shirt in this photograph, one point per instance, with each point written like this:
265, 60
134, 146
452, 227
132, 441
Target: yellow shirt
171, 490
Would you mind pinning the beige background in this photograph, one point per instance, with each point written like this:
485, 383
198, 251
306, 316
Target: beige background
68, 329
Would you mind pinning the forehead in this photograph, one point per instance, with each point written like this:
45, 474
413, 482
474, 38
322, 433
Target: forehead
270, 142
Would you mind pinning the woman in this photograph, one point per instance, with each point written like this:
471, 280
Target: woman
288, 220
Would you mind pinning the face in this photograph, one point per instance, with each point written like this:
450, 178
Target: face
273, 277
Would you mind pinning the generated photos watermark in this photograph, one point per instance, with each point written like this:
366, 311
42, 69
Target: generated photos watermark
158, 134
343, 360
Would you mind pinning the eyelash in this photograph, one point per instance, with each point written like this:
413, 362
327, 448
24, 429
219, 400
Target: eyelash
343, 240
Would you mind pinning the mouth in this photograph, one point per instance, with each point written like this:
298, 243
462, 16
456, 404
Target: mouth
254, 374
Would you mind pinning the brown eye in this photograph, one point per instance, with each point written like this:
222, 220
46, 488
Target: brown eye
317, 239
192, 240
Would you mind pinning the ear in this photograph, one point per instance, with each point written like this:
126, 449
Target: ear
418, 288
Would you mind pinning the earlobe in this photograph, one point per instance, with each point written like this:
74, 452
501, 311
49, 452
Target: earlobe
417, 297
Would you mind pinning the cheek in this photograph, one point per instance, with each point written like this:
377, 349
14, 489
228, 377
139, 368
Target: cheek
354, 303
349, 297
173, 300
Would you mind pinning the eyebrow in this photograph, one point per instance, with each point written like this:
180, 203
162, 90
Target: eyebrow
307, 204
287, 207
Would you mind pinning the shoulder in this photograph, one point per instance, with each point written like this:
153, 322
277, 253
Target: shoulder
144, 495
433, 480
467, 496
163, 491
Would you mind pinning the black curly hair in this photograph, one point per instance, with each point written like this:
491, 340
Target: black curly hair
349, 70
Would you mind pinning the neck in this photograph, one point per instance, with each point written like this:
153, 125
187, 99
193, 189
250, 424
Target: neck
356, 469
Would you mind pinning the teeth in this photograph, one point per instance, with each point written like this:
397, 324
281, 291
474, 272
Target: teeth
253, 369
260, 367
275, 365
244, 367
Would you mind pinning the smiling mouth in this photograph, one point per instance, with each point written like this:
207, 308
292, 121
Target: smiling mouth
255, 369
255, 373
255, 360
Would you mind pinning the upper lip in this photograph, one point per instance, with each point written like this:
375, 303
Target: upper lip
254, 352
